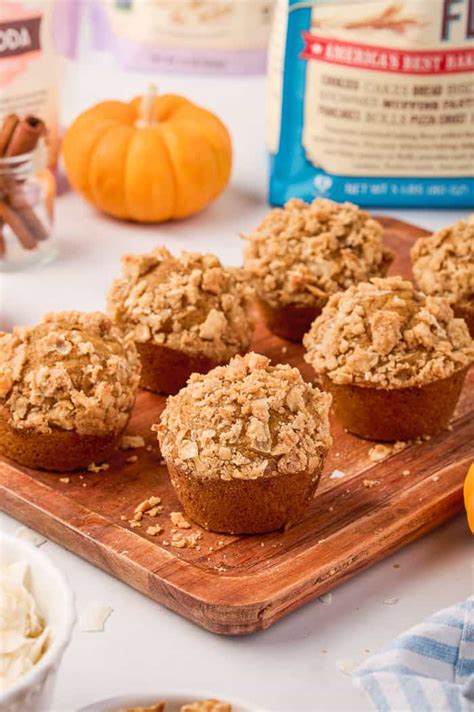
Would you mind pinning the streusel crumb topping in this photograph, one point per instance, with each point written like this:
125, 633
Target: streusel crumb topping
190, 303
443, 263
246, 420
384, 333
207, 706
73, 370
304, 252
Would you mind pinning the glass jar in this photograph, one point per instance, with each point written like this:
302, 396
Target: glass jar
27, 193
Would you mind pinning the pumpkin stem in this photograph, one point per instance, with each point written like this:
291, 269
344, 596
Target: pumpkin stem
147, 107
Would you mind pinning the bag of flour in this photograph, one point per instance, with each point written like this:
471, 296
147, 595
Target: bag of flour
372, 101
198, 36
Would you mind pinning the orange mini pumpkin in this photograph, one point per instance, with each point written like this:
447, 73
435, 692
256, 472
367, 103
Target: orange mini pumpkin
153, 159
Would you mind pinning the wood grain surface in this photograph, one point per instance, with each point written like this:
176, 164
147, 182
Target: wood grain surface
236, 585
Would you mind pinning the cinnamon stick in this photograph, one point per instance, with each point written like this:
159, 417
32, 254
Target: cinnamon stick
9, 125
25, 136
18, 225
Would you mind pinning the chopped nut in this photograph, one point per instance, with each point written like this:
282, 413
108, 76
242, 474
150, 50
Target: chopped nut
133, 523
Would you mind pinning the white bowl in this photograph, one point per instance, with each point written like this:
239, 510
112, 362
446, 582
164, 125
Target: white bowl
32, 692
174, 701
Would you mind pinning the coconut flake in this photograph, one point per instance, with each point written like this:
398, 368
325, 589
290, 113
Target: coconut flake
92, 619
30, 536
326, 598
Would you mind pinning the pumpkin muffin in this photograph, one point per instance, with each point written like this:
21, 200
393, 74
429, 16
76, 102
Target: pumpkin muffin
187, 314
245, 445
443, 265
67, 387
301, 254
393, 359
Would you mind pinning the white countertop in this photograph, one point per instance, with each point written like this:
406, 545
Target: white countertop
291, 667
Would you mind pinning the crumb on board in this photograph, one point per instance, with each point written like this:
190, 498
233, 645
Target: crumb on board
147, 504
180, 540
435, 478
154, 530
132, 458
131, 442
154, 511
381, 451
92, 619
98, 468
405, 473
179, 520
65, 480
370, 483
134, 524
390, 601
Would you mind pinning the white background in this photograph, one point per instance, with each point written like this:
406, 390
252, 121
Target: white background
292, 667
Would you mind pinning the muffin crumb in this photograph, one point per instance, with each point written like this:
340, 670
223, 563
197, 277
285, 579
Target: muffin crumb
131, 442
179, 521
98, 468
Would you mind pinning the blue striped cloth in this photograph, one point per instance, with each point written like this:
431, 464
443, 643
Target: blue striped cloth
430, 668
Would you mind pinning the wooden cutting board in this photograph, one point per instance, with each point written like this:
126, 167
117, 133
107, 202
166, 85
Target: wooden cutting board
236, 585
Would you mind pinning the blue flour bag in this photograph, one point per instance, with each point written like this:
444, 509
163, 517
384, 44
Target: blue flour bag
372, 101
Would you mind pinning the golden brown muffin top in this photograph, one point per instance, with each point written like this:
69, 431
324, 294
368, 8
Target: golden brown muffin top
304, 252
246, 420
189, 303
385, 334
443, 263
73, 370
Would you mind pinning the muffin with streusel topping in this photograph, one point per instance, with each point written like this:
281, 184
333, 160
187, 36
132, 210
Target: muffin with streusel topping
303, 253
393, 358
67, 387
245, 444
187, 314
443, 265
